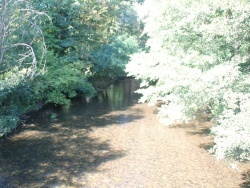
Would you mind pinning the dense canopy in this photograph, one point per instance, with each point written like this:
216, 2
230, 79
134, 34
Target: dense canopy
198, 60
191, 54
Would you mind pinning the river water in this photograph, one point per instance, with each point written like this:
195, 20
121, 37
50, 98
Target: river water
54, 144
111, 142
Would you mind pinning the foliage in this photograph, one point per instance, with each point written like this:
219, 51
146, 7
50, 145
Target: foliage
78, 26
65, 39
127, 19
233, 133
111, 58
22, 58
60, 83
19, 101
21, 39
198, 59
16, 98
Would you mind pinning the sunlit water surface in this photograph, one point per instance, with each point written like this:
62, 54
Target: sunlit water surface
53, 147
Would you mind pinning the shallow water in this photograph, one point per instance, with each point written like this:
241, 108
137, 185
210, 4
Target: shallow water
54, 145
111, 141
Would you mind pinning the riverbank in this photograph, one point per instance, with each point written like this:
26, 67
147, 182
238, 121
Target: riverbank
99, 84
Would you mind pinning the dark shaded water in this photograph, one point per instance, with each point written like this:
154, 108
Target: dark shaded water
54, 146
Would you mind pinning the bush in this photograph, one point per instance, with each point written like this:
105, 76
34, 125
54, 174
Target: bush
16, 98
62, 82
233, 132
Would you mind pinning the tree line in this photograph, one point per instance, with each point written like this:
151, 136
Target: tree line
191, 54
51, 50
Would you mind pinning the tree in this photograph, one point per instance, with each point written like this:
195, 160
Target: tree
73, 35
111, 58
22, 43
78, 26
198, 59
22, 57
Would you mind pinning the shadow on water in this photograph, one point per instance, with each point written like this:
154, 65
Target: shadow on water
246, 179
58, 151
201, 127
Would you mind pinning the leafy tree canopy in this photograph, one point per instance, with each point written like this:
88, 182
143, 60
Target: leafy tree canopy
49, 48
199, 59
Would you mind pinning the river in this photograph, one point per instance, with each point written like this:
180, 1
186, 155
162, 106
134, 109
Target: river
112, 141
54, 145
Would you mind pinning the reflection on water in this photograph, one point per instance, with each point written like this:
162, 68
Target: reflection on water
118, 96
54, 148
